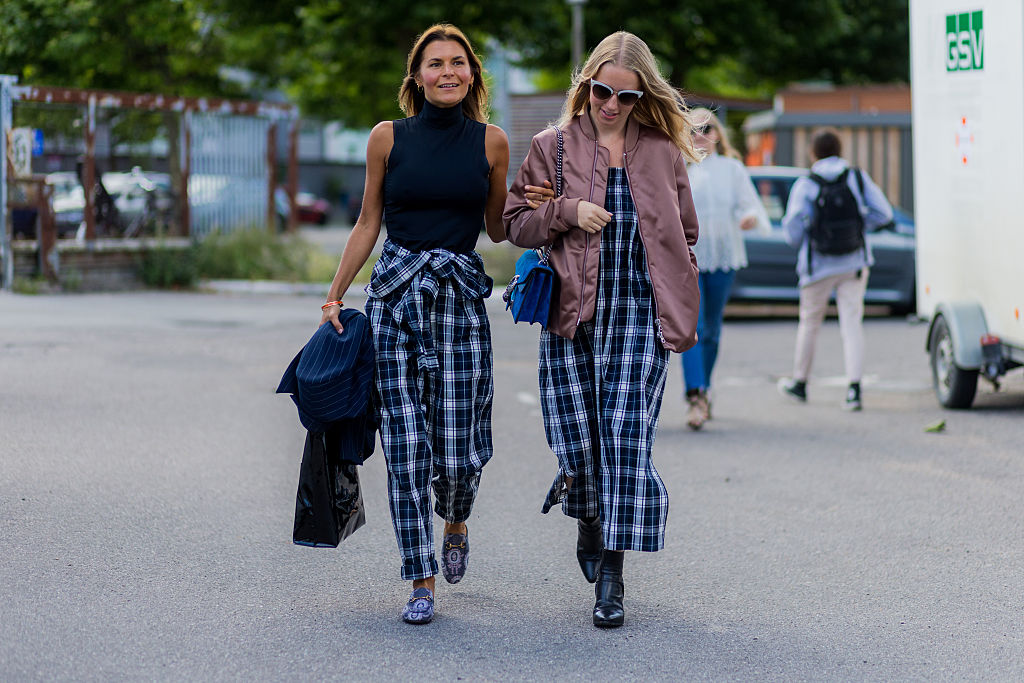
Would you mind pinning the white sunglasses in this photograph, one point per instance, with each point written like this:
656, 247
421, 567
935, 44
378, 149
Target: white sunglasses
602, 92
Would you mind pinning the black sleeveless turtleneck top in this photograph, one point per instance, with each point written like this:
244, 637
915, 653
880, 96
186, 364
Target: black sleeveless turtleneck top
436, 184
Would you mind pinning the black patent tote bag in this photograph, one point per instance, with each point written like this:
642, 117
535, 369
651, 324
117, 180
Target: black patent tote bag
328, 502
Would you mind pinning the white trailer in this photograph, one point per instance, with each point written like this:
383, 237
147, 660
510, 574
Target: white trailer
967, 75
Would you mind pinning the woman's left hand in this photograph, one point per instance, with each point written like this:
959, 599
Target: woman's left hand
748, 222
535, 196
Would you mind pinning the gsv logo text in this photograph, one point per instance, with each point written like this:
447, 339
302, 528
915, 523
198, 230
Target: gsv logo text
965, 42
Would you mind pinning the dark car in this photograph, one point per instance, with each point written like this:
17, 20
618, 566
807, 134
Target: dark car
312, 209
771, 271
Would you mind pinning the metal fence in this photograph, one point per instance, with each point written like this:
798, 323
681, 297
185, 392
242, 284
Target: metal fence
228, 185
212, 163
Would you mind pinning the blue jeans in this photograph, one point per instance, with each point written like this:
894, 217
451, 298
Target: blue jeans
699, 361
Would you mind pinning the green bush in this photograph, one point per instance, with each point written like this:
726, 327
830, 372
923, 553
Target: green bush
260, 255
169, 267
29, 285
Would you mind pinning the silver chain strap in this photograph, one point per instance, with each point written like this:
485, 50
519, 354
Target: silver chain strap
545, 253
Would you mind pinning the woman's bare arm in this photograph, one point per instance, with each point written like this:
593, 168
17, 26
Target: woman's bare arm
367, 228
496, 143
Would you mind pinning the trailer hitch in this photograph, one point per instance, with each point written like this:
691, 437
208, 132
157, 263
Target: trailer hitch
993, 365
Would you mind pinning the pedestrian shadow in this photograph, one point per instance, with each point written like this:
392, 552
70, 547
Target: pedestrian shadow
521, 634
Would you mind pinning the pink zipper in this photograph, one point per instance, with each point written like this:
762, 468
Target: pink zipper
654, 290
586, 251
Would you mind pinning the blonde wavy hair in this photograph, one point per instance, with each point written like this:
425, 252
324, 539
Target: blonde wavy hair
662, 106
705, 117
410, 97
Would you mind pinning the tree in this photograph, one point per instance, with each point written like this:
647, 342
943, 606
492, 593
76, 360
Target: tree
162, 46
141, 45
344, 59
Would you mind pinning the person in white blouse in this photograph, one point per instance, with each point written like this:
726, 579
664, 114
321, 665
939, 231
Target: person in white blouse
727, 205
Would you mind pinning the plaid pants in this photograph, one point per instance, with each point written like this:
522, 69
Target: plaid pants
601, 394
434, 386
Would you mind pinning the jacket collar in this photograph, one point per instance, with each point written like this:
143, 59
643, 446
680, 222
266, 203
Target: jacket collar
632, 130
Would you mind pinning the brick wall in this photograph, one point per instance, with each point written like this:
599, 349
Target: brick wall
104, 266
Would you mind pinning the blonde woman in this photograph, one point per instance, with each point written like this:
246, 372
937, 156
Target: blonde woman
620, 235
727, 205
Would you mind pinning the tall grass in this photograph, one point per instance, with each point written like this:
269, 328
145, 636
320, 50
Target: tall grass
260, 255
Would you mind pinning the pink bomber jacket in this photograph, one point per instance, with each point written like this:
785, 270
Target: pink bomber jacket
656, 170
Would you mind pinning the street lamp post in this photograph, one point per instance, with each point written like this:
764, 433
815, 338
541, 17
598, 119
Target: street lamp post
6, 252
577, 31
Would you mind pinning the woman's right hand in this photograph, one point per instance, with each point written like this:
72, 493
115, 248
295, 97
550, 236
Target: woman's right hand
591, 217
536, 195
331, 314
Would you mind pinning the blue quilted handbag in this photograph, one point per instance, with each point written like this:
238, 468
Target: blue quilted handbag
529, 293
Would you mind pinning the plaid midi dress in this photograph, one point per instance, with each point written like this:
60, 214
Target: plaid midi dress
601, 393
434, 388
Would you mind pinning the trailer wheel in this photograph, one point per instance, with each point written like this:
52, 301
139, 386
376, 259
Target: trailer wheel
954, 386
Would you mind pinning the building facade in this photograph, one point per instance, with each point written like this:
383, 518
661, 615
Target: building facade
873, 123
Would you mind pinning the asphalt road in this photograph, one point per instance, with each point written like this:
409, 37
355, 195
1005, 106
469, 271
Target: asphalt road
147, 483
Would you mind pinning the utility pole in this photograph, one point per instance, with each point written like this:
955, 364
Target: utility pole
577, 31
6, 109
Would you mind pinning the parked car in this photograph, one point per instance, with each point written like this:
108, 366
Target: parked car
130, 191
312, 209
771, 273
69, 208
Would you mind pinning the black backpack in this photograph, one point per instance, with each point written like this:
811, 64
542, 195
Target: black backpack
837, 226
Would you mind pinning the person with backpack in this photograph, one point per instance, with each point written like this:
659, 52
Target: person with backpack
827, 216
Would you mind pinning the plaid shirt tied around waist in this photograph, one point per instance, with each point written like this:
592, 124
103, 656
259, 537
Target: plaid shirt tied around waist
422, 273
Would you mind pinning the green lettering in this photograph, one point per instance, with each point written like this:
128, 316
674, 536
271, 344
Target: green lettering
978, 40
951, 57
965, 41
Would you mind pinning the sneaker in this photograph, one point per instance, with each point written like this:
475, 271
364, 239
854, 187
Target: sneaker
420, 608
455, 556
853, 397
697, 414
794, 389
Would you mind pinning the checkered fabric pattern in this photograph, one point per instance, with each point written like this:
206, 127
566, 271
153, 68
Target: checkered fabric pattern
434, 386
601, 393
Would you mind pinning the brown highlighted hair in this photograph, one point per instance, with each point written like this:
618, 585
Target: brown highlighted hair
662, 106
410, 97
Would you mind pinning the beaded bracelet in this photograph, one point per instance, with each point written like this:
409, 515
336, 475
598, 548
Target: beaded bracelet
327, 305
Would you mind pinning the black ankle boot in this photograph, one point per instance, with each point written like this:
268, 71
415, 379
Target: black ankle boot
608, 610
589, 546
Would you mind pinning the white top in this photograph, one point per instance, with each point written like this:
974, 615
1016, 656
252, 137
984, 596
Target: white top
723, 195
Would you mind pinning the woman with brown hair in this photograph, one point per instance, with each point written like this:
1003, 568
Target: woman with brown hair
727, 206
620, 236
435, 176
